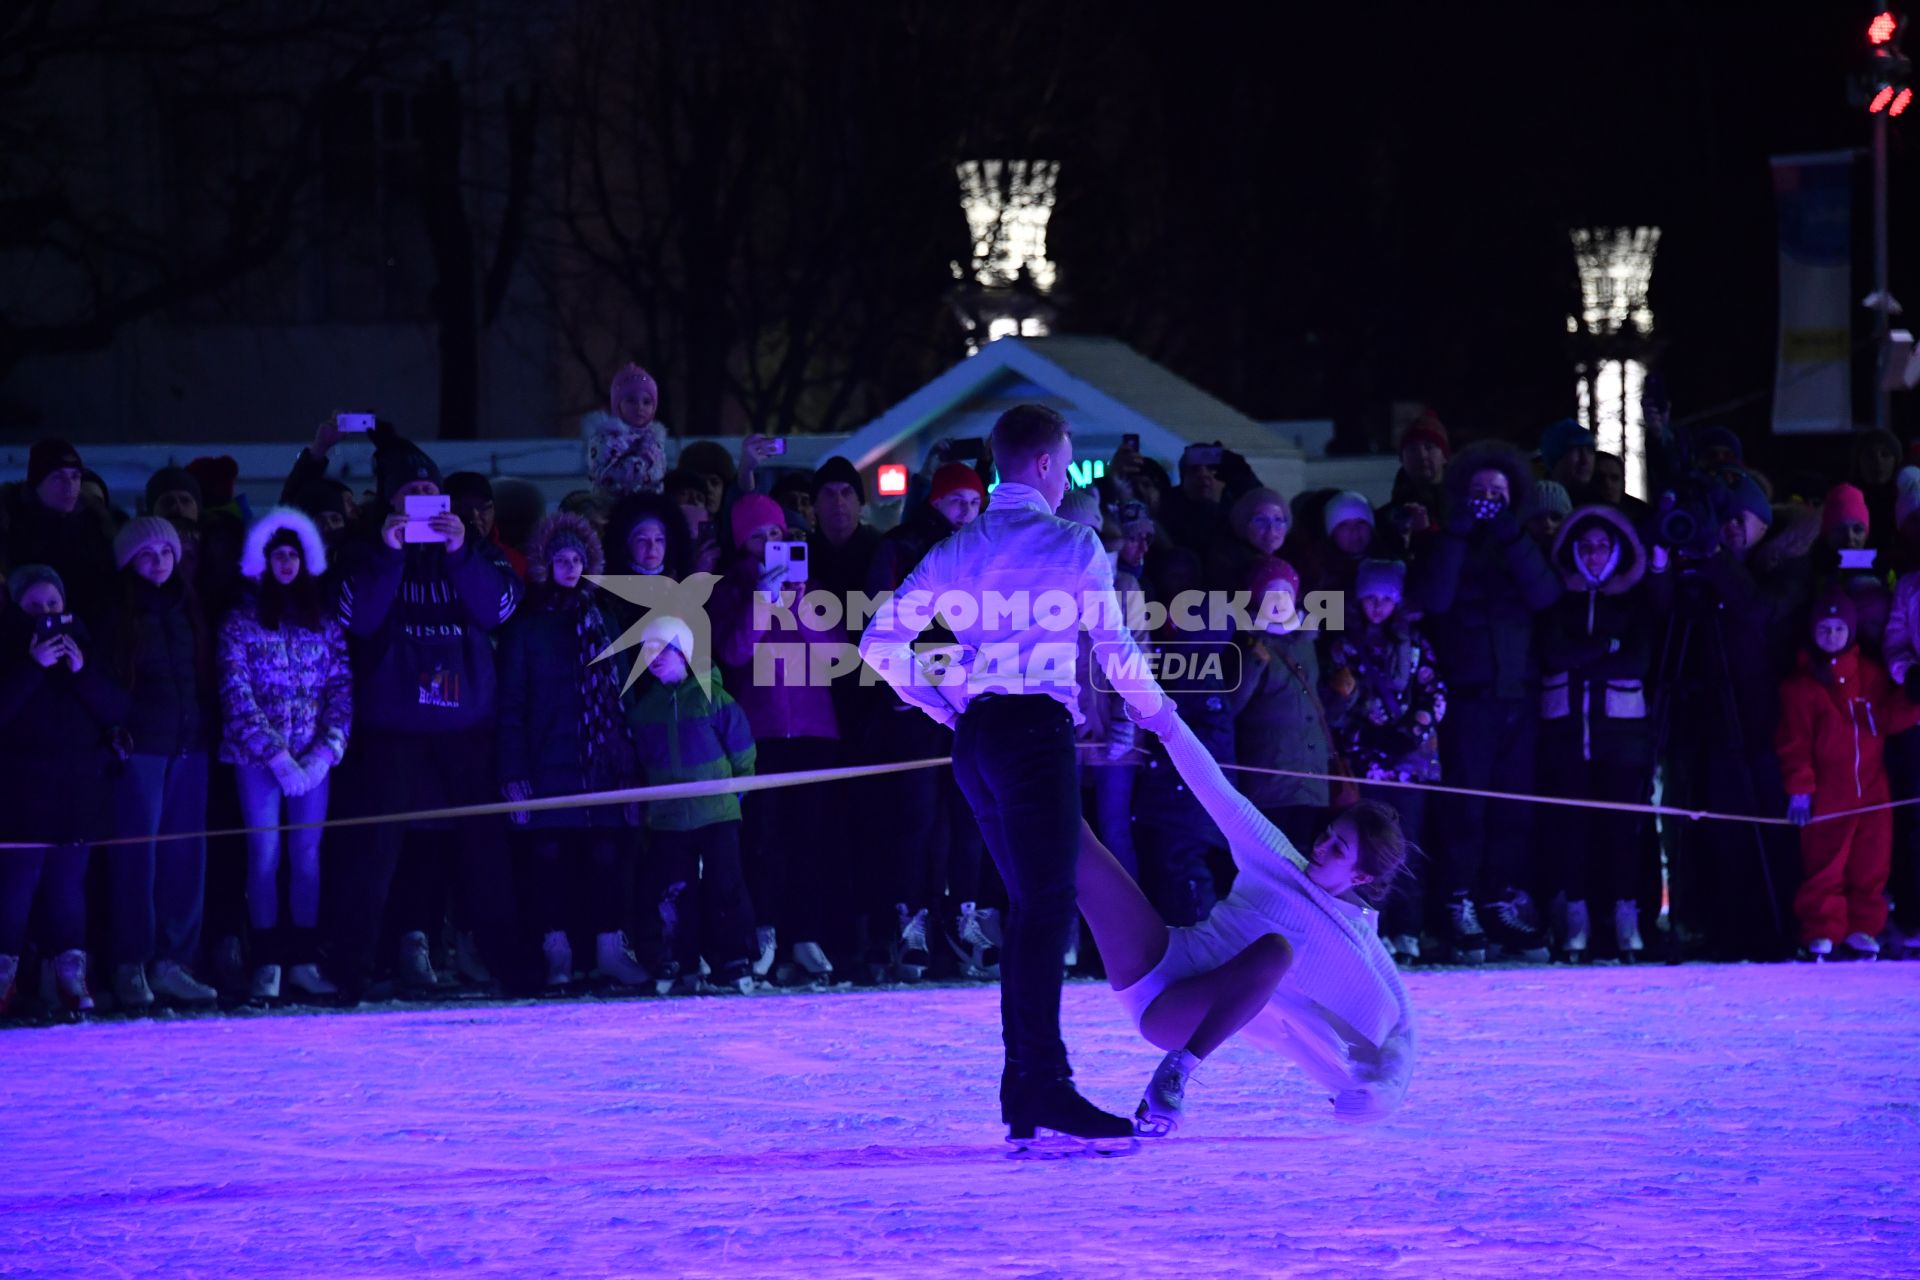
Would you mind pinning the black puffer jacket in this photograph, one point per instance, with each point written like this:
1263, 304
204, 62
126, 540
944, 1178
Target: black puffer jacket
1480, 583
1597, 647
55, 752
163, 655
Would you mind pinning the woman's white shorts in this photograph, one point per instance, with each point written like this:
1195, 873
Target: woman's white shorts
1188, 953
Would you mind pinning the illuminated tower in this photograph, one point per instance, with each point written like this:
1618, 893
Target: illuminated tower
1004, 291
1613, 329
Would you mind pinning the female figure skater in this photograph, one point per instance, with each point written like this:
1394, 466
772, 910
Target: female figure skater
1292, 954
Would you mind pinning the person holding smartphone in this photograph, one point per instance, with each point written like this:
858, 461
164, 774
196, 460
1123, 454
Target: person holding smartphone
57, 711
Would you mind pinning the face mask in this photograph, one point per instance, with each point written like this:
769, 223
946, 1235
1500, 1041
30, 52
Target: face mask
1487, 508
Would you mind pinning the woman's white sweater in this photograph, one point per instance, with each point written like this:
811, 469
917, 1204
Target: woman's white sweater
1341, 1011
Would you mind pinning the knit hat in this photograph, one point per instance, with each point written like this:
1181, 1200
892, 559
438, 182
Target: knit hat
1134, 518
1381, 578
752, 512
1427, 429
402, 463
957, 475
1906, 497
1562, 438
630, 379
468, 484
172, 480
1843, 502
142, 532
1743, 493
1080, 506
1346, 506
837, 470
217, 477
1240, 515
1719, 438
1836, 603
32, 575
1550, 498
565, 531
663, 631
1272, 574
47, 457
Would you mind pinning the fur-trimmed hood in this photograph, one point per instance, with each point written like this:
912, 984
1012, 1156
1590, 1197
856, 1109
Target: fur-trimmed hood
1495, 455
313, 550
565, 527
1633, 554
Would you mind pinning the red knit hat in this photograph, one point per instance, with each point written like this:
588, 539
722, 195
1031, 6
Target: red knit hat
1427, 428
1843, 502
1269, 574
956, 475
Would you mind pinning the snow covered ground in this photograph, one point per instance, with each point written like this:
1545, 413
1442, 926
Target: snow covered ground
1700, 1121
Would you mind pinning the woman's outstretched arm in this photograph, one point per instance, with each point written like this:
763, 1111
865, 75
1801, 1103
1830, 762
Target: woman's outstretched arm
1247, 830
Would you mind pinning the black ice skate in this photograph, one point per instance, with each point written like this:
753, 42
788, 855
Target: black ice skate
1058, 1121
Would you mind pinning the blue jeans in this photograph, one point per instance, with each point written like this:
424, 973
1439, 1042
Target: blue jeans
58, 877
1013, 756
159, 885
260, 807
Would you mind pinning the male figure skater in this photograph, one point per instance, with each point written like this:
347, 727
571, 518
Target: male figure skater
1013, 751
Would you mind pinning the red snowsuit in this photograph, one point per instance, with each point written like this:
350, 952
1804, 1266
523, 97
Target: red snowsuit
1831, 741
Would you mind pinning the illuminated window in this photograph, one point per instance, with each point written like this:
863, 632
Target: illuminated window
1616, 270
1007, 203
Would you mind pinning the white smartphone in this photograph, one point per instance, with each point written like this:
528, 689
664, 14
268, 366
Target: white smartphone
422, 507
791, 554
352, 423
1860, 558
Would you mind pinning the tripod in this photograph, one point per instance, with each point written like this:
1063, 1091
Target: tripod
1691, 600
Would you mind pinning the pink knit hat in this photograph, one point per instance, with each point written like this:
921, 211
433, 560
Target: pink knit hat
630, 379
1270, 574
752, 512
1843, 502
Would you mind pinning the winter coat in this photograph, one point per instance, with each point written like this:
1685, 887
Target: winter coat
1902, 642
903, 546
418, 619
1836, 714
842, 570
1480, 584
56, 756
285, 689
1384, 725
543, 708
1596, 649
683, 735
1279, 722
1391, 519
772, 668
163, 656
78, 546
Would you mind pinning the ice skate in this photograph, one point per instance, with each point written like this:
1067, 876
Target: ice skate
70, 982
1864, 946
1468, 944
1058, 1121
1511, 924
130, 989
769, 947
977, 943
415, 972
1158, 1114
467, 962
909, 958
810, 968
667, 976
264, 987
172, 981
1406, 948
735, 978
1817, 950
1626, 929
614, 960
559, 954
308, 980
1579, 930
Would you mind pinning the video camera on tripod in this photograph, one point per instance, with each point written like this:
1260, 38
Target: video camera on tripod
1688, 516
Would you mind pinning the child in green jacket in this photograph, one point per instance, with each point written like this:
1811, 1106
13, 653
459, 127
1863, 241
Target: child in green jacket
685, 734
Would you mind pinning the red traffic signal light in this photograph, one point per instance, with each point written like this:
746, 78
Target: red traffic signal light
1881, 99
1900, 102
1882, 28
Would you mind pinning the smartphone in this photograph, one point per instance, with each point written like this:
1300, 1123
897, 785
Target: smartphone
422, 507
1131, 440
352, 423
1862, 558
776, 445
791, 554
53, 624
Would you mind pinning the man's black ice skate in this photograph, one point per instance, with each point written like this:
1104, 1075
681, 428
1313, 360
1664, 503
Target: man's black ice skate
1058, 1121
1512, 924
1464, 940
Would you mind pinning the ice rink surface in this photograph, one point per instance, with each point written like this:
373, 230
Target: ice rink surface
1700, 1121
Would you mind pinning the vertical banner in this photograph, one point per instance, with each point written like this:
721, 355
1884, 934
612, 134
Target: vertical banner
1813, 200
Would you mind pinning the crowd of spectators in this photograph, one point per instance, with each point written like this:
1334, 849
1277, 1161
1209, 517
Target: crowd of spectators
1510, 623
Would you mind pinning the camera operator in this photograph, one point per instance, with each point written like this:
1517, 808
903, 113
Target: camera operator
1737, 602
